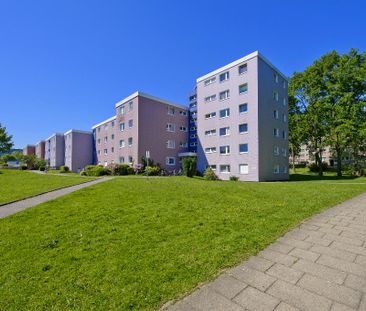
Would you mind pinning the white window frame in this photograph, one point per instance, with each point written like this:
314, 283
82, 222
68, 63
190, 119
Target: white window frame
167, 161
130, 123
227, 113
122, 143
211, 132
225, 171
210, 81
130, 106
210, 150
122, 110
245, 171
275, 96
275, 114
276, 150
183, 129
276, 169
245, 65
244, 152
227, 150
243, 92
122, 126
227, 131
243, 112
224, 95
210, 98
170, 127
245, 131
170, 111
170, 144
226, 76
130, 141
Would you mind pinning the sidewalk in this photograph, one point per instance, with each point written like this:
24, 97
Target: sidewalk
321, 265
15, 207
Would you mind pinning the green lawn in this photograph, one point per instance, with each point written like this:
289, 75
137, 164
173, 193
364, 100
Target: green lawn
15, 184
303, 174
135, 243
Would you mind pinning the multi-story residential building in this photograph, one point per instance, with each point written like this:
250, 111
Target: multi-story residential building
29, 150
55, 150
40, 149
242, 120
78, 149
192, 139
144, 125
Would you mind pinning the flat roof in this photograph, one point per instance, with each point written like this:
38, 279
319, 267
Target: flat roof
138, 93
54, 134
77, 131
103, 122
239, 61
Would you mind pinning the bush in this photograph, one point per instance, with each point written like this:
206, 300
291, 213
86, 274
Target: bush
42, 168
234, 178
209, 174
152, 171
96, 170
314, 168
83, 173
123, 169
23, 167
64, 169
189, 166
354, 170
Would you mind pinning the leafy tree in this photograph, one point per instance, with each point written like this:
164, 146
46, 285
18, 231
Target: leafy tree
6, 142
30, 160
189, 166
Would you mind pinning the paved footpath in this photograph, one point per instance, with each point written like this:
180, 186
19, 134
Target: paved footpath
12, 208
321, 265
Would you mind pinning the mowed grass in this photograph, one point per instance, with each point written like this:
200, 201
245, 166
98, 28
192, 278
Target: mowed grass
16, 184
136, 243
303, 174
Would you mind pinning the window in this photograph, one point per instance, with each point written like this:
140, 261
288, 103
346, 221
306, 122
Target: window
276, 132
193, 135
276, 169
243, 108
171, 111
275, 96
98, 129
183, 128
105, 139
213, 167
243, 68
121, 143
170, 161
224, 95
243, 169
105, 151
210, 81
122, 126
130, 123
210, 98
224, 76
224, 131
105, 127
224, 168
243, 88
130, 159
183, 144
121, 160
122, 110
98, 141
112, 136
224, 113
112, 123
284, 83
243, 128
193, 128
243, 148
183, 113
130, 141
210, 115
98, 152
284, 102
170, 144
275, 114
112, 149
284, 118
224, 149
284, 134
193, 144
276, 150
130, 106
284, 152
210, 149
170, 127
275, 77
284, 170
210, 132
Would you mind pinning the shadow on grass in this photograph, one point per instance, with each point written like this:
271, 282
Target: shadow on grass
303, 177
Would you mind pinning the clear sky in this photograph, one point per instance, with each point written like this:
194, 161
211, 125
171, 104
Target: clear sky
64, 64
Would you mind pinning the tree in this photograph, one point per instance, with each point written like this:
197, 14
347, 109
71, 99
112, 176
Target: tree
5, 140
189, 166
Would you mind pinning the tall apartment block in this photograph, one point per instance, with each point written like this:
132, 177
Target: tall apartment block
55, 150
192, 139
143, 125
29, 150
78, 149
40, 149
242, 120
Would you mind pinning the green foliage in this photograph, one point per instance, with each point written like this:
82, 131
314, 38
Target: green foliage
234, 178
5, 140
123, 169
152, 171
23, 167
314, 167
41, 164
189, 166
64, 169
209, 174
96, 170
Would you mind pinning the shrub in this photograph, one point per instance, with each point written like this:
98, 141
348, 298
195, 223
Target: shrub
23, 167
64, 169
209, 174
42, 168
189, 166
83, 173
234, 178
123, 169
152, 171
96, 170
314, 168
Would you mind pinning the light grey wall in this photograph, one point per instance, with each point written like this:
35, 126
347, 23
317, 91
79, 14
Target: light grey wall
106, 130
78, 150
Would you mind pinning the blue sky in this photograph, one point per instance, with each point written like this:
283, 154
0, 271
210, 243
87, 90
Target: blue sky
64, 64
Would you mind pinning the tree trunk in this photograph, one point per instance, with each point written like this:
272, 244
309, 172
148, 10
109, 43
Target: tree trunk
318, 161
339, 162
293, 160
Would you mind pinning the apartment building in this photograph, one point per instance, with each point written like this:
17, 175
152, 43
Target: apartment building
242, 117
78, 149
144, 125
192, 139
55, 150
40, 149
29, 150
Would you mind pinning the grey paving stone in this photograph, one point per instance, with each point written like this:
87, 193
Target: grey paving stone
277, 257
350, 248
343, 239
360, 259
207, 299
339, 307
313, 234
281, 247
308, 255
330, 231
356, 282
309, 227
296, 243
296, 234
227, 285
362, 306
331, 290
258, 263
342, 265
326, 273
285, 307
285, 273
182, 306
319, 241
333, 252
299, 297
353, 235
319, 224
252, 277
253, 299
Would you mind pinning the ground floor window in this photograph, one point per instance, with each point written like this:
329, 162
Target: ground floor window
170, 161
224, 168
243, 168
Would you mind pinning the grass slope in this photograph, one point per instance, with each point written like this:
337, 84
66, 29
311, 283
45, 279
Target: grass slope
133, 244
15, 184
